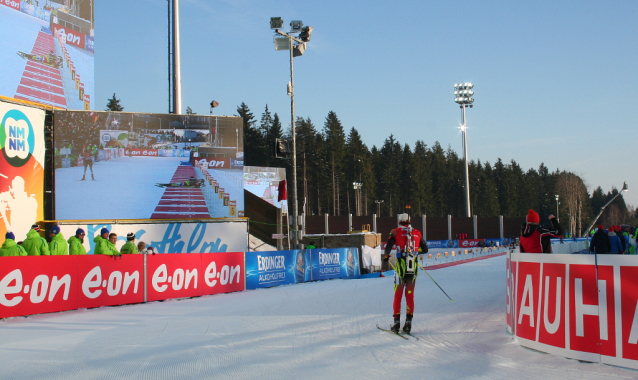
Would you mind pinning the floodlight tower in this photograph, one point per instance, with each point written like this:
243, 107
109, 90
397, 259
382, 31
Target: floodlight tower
297, 46
463, 95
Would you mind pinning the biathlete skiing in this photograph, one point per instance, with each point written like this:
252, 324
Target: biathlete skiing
409, 243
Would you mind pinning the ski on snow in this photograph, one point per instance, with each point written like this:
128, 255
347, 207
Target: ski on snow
404, 336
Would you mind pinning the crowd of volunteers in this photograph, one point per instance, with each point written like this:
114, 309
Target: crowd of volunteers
34, 244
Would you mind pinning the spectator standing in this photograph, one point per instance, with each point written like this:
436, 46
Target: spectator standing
129, 247
141, 247
102, 244
34, 244
57, 246
10, 247
615, 241
76, 243
536, 238
600, 242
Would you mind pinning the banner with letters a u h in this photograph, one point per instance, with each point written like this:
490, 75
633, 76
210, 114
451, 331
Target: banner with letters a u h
583, 307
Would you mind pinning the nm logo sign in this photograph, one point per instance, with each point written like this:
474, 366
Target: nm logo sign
16, 138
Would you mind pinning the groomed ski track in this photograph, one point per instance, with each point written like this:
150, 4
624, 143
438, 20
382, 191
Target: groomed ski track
320, 330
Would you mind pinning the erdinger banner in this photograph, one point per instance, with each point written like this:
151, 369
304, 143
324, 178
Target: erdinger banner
21, 168
266, 269
442, 243
334, 263
579, 306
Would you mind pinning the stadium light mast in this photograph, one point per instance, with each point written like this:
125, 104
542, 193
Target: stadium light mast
463, 95
296, 46
177, 76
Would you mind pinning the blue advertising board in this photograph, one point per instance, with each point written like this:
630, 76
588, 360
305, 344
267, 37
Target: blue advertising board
501, 242
334, 263
442, 243
274, 268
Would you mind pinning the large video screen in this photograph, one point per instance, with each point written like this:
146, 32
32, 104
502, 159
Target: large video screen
264, 182
117, 165
47, 52
21, 168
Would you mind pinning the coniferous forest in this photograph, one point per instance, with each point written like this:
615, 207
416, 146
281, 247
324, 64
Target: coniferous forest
425, 178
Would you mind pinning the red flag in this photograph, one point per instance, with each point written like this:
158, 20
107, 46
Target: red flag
283, 191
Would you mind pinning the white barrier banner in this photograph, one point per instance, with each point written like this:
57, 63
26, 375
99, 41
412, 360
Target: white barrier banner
171, 237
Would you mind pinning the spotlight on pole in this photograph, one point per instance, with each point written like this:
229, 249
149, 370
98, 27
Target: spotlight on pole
464, 96
297, 46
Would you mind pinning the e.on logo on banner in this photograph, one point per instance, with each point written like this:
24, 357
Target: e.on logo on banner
38, 284
106, 280
572, 306
189, 275
15, 4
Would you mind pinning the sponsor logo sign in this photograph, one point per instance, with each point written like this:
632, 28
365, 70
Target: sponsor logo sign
442, 243
334, 263
468, 243
575, 305
89, 44
266, 269
37, 284
142, 152
15, 4
72, 37
214, 163
105, 280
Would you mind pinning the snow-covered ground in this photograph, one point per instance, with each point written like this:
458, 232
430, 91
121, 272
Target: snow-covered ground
321, 330
18, 32
124, 188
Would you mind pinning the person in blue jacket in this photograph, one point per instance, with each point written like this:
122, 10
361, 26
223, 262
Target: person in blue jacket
616, 244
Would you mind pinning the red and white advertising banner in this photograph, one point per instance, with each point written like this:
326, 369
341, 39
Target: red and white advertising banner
37, 284
469, 243
142, 152
223, 272
45, 284
190, 275
110, 280
579, 306
71, 36
15, 4
173, 276
213, 163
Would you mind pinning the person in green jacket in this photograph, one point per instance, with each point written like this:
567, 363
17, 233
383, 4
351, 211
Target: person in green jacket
76, 243
34, 244
102, 244
10, 247
58, 245
129, 247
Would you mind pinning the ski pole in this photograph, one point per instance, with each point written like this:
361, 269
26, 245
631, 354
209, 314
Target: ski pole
437, 284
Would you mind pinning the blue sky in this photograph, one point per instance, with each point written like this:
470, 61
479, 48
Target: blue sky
552, 79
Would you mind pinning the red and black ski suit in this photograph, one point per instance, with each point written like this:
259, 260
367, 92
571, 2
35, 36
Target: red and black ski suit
536, 239
404, 276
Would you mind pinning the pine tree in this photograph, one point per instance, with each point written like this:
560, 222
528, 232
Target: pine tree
114, 104
421, 182
253, 141
273, 132
335, 143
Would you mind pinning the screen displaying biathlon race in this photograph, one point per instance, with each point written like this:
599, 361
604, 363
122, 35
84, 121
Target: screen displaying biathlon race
116, 165
48, 51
